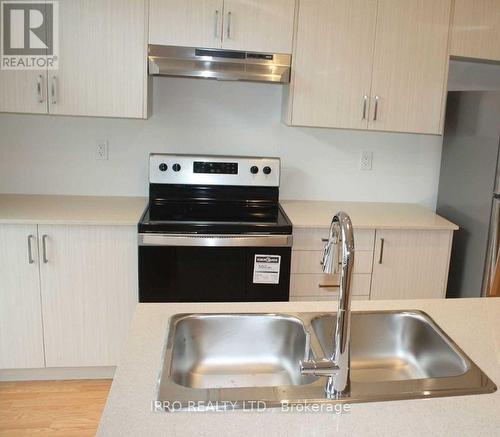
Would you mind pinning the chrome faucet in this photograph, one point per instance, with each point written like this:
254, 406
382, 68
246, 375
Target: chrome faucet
337, 366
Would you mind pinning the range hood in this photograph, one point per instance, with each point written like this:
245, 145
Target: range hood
218, 64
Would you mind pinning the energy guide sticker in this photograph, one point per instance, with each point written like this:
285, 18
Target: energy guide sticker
266, 269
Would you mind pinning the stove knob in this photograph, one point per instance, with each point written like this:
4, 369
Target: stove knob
176, 167
267, 170
254, 169
163, 167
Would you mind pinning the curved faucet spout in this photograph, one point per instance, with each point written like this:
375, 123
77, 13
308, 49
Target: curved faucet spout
336, 255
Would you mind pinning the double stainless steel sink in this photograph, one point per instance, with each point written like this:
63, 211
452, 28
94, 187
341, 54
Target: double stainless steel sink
238, 358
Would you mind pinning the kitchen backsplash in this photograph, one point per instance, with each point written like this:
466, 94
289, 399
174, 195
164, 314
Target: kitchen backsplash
57, 155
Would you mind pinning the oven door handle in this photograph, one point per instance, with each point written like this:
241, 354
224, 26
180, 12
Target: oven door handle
200, 240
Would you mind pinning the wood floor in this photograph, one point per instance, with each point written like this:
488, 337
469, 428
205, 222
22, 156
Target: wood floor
52, 408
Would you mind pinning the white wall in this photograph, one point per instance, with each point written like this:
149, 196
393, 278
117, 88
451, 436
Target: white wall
56, 155
473, 76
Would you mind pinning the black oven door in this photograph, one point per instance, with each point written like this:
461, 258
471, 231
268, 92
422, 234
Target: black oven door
211, 270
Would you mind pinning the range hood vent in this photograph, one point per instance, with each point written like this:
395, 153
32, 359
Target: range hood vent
218, 64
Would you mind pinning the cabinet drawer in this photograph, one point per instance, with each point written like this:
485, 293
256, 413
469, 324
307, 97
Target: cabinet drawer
313, 284
311, 239
309, 261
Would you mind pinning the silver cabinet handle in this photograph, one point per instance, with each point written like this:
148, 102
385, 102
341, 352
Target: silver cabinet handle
229, 18
375, 113
216, 30
44, 249
39, 88
53, 90
381, 257
365, 103
30, 249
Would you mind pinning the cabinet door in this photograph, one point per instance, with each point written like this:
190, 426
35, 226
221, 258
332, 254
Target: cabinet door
259, 25
189, 23
102, 60
21, 340
89, 292
476, 29
410, 66
411, 264
332, 63
23, 91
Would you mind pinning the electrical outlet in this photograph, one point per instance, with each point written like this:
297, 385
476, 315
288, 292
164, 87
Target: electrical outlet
101, 151
366, 162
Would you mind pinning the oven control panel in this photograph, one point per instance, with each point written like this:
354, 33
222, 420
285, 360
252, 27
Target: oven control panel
214, 170
204, 167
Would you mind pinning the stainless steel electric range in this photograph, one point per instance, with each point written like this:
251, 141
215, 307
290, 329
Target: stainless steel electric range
214, 231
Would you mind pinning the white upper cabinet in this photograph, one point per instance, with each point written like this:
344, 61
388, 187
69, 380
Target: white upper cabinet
410, 66
102, 61
332, 64
476, 29
191, 23
259, 25
251, 25
372, 64
23, 91
102, 69
21, 338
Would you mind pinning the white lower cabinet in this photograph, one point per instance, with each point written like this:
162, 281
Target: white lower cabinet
411, 264
72, 306
21, 338
89, 292
388, 264
321, 286
308, 282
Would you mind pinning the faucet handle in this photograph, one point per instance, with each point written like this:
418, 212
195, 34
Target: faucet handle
327, 257
331, 261
336, 256
319, 367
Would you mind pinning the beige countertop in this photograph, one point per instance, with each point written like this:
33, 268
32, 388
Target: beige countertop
97, 210
70, 210
474, 324
318, 214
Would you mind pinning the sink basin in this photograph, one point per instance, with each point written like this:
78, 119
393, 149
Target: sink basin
394, 347
217, 351
245, 358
